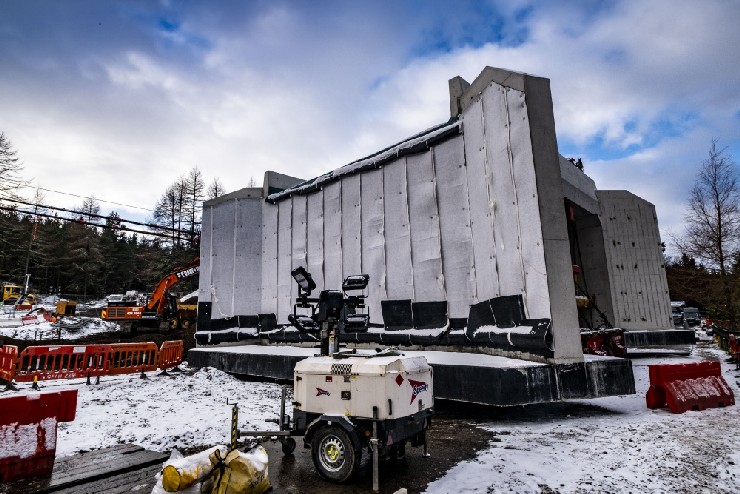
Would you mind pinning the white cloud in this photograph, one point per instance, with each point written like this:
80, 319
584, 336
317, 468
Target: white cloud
303, 90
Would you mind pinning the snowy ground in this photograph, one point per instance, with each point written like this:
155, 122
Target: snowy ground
606, 445
620, 447
67, 328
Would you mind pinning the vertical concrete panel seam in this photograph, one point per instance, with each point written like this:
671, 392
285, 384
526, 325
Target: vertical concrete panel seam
441, 282
488, 179
341, 229
516, 196
233, 263
359, 215
408, 226
210, 253
323, 237
383, 283
472, 277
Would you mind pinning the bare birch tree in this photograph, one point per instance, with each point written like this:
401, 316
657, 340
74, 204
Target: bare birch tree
713, 221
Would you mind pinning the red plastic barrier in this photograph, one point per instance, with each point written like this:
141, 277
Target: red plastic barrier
8, 357
683, 387
170, 355
70, 361
28, 432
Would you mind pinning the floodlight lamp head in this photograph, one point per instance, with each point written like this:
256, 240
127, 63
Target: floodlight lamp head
355, 282
304, 280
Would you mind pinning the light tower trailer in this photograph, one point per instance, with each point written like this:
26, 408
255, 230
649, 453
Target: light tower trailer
346, 401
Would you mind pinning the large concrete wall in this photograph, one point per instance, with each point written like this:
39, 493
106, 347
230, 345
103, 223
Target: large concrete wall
231, 254
454, 217
523, 135
634, 259
457, 224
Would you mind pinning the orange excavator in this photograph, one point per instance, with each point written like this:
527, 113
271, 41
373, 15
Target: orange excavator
161, 306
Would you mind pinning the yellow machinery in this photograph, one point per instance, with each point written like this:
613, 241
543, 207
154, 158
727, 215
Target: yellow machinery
11, 294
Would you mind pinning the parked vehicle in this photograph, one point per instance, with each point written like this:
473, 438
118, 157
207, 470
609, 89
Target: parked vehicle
691, 316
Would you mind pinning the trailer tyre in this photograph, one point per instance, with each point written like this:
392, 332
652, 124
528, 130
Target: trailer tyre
288, 446
334, 455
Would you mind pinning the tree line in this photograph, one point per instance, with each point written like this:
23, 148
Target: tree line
707, 271
82, 254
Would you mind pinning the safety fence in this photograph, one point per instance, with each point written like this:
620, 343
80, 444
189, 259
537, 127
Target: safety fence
72, 361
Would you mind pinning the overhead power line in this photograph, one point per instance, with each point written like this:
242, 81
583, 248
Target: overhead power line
159, 231
85, 197
83, 222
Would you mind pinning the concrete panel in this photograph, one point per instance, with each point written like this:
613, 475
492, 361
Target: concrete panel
248, 257
299, 239
333, 235
284, 261
536, 295
481, 205
222, 254
634, 260
426, 249
454, 222
269, 258
399, 275
505, 217
351, 227
373, 241
206, 263
566, 334
315, 237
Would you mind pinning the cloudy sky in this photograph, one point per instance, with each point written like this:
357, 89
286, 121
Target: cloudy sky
118, 99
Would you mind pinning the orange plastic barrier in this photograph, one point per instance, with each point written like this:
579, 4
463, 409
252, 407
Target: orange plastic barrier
28, 432
129, 358
8, 357
71, 361
170, 355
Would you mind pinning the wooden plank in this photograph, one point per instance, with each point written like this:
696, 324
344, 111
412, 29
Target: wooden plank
141, 480
72, 472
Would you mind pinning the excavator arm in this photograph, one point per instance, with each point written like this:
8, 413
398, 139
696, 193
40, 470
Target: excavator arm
157, 302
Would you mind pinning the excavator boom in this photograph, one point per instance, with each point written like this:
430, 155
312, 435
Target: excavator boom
158, 300
156, 306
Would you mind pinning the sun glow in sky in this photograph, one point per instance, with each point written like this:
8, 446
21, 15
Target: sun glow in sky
119, 99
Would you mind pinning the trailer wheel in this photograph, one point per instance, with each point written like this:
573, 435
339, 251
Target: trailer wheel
288, 446
185, 324
334, 456
174, 324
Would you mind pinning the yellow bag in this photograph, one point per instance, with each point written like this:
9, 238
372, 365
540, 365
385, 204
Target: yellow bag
181, 473
240, 473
